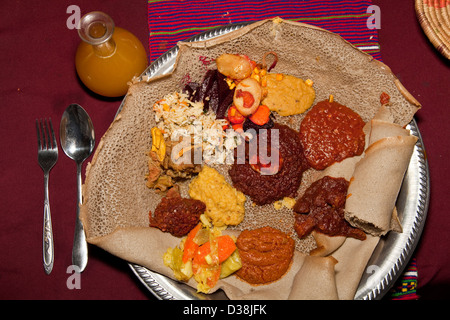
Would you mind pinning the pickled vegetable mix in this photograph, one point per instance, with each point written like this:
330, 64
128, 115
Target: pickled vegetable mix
204, 254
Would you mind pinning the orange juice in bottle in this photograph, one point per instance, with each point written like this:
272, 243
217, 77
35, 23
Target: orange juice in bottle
109, 56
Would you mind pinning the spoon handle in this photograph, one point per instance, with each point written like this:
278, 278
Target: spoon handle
79, 250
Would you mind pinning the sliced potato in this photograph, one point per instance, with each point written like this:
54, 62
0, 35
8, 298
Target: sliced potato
247, 96
234, 66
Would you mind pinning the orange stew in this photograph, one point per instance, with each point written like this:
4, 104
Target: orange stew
266, 254
330, 133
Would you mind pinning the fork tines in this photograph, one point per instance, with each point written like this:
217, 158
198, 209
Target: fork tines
44, 140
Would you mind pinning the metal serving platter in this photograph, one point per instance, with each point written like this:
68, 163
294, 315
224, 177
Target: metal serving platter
392, 253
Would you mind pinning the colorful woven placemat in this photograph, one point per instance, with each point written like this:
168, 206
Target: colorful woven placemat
170, 21
173, 21
406, 286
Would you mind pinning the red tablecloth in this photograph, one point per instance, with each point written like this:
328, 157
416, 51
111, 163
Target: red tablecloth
38, 80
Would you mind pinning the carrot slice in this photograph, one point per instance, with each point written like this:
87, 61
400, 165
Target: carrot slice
234, 116
212, 280
261, 115
190, 247
225, 247
238, 127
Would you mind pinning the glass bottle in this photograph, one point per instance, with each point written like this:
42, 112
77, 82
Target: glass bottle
108, 57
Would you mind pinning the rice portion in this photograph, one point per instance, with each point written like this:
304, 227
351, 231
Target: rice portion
177, 116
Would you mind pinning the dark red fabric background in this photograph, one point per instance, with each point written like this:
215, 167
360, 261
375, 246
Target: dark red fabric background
38, 79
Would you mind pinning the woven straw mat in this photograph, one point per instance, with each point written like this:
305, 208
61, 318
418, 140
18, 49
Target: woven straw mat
434, 17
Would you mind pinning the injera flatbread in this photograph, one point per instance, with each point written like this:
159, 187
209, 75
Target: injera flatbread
116, 201
376, 182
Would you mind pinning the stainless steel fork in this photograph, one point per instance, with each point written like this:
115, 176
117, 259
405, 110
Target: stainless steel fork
47, 157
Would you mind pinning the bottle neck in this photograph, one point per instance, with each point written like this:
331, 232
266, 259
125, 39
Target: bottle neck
106, 49
97, 28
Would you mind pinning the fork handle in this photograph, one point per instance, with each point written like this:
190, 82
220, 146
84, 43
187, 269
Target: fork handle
47, 243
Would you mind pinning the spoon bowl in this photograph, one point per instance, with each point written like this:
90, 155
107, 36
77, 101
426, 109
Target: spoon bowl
77, 133
78, 141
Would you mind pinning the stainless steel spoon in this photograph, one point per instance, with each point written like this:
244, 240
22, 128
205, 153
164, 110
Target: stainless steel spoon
77, 141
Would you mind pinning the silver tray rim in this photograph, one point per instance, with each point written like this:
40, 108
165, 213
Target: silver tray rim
391, 255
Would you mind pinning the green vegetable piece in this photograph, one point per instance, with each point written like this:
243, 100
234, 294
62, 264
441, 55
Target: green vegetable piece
232, 264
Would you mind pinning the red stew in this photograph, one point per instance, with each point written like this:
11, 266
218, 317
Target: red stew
177, 215
384, 98
285, 178
321, 208
330, 133
249, 100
